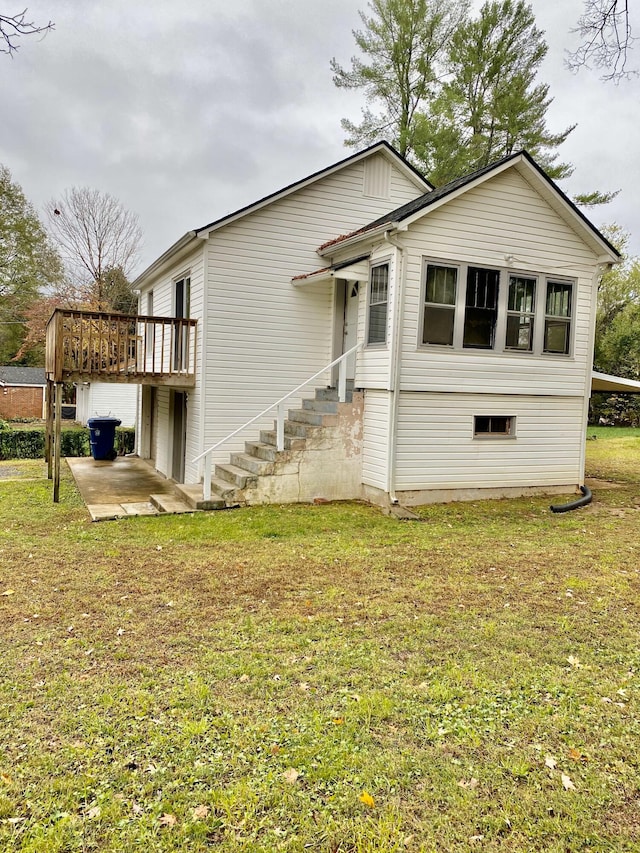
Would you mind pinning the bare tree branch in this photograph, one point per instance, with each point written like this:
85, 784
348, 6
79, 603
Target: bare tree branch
605, 30
13, 27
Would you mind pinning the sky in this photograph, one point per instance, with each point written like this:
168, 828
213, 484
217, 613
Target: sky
188, 111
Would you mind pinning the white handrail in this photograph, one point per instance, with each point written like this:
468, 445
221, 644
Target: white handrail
342, 384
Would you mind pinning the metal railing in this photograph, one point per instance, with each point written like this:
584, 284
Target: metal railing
120, 347
207, 454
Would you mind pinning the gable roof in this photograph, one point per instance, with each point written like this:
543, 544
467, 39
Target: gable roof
523, 162
188, 239
18, 375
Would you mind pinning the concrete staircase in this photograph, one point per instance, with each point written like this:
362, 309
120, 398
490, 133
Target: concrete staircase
321, 459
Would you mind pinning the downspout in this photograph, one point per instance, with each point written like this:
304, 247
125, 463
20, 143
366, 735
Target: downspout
396, 364
600, 269
201, 344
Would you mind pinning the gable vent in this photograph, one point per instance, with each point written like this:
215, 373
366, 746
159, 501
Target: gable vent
377, 177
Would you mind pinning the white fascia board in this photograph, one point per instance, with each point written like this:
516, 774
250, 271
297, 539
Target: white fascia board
353, 272
166, 259
361, 237
606, 382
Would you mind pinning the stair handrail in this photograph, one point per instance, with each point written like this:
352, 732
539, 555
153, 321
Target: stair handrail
279, 404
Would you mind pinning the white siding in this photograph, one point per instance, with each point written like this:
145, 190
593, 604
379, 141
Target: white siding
437, 450
265, 336
164, 443
375, 439
503, 217
107, 398
373, 365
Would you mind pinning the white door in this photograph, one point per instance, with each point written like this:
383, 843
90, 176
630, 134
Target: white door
350, 333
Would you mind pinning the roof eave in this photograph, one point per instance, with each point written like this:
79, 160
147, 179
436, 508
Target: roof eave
165, 258
369, 235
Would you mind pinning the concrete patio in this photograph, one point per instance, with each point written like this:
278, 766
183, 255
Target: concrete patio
125, 487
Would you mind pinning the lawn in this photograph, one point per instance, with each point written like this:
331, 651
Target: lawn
322, 678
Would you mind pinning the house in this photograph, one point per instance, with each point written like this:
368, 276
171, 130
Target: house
22, 392
104, 398
449, 332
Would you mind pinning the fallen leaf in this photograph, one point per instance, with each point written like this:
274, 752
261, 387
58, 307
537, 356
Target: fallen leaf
469, 783
274, 749
338, 721
290, 775
476, 838
366, 798
243, 678
6, 779
120, 632
200, 812
550, 762
167, 820
8, 592
93, 812
136, 808
576, 755
567, 784
574, 661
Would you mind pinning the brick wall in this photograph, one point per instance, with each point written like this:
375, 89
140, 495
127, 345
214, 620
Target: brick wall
20, 402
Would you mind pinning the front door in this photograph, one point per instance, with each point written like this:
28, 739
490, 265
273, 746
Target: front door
350, 328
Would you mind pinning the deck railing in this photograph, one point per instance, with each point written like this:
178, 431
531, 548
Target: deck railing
120, 348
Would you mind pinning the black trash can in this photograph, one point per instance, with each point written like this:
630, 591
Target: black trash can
102, 437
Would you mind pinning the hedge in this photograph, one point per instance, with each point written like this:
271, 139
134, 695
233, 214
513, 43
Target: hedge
29, 443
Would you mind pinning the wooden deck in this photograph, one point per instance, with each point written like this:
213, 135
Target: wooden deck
86, 345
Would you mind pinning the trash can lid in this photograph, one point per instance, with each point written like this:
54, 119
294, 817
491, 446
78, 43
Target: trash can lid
103, 420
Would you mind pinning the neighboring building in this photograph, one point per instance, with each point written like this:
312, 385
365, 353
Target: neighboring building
473, 306
106, 398
22, 392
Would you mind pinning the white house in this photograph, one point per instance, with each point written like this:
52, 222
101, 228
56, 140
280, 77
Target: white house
466, 314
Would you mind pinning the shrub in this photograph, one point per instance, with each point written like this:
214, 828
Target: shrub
29, 443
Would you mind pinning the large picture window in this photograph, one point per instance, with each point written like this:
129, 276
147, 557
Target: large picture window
378, 304
440, 305
557, 317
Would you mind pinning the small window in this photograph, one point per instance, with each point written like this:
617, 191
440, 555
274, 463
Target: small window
378, 304
521, 308
481, 308
557, 318
496, 425
440, 305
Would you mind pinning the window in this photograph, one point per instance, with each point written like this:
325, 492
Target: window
521, 307
481, 308
440, 305
557, 318
183, 308
493, 425
378, 304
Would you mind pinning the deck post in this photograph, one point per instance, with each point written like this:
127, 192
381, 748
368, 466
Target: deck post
56, 443
342, 381
48, 442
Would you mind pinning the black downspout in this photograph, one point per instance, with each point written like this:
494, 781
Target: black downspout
583, 501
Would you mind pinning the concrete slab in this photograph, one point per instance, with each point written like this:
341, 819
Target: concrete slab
120, 488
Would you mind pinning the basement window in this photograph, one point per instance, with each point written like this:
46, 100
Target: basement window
496, 426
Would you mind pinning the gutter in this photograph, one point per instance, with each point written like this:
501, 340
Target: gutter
358, 237
165, 257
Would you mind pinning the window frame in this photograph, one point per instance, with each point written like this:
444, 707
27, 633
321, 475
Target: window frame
493, 435
531, 315
568, 320
539, 316
383, 343
425, 304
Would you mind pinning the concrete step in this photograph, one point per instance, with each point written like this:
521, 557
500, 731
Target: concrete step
327, 407
295, 429
238, 477
304, 416
191, 494
332, 393
171, 504
268, 436
252, 464
260, 450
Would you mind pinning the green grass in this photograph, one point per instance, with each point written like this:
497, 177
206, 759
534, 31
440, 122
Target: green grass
239, 680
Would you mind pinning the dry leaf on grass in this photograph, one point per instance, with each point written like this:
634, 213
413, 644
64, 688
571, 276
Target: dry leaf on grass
167, 819
93, 813
200, 812
8, 592
567, 784
550, 762
469, 783
367, 799
290, 775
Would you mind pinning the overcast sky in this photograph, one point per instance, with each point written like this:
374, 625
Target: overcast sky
187, 111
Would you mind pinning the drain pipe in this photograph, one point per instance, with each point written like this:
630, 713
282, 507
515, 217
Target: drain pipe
583, 501
396, 354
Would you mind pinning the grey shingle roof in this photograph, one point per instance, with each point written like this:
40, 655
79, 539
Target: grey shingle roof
18, 375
